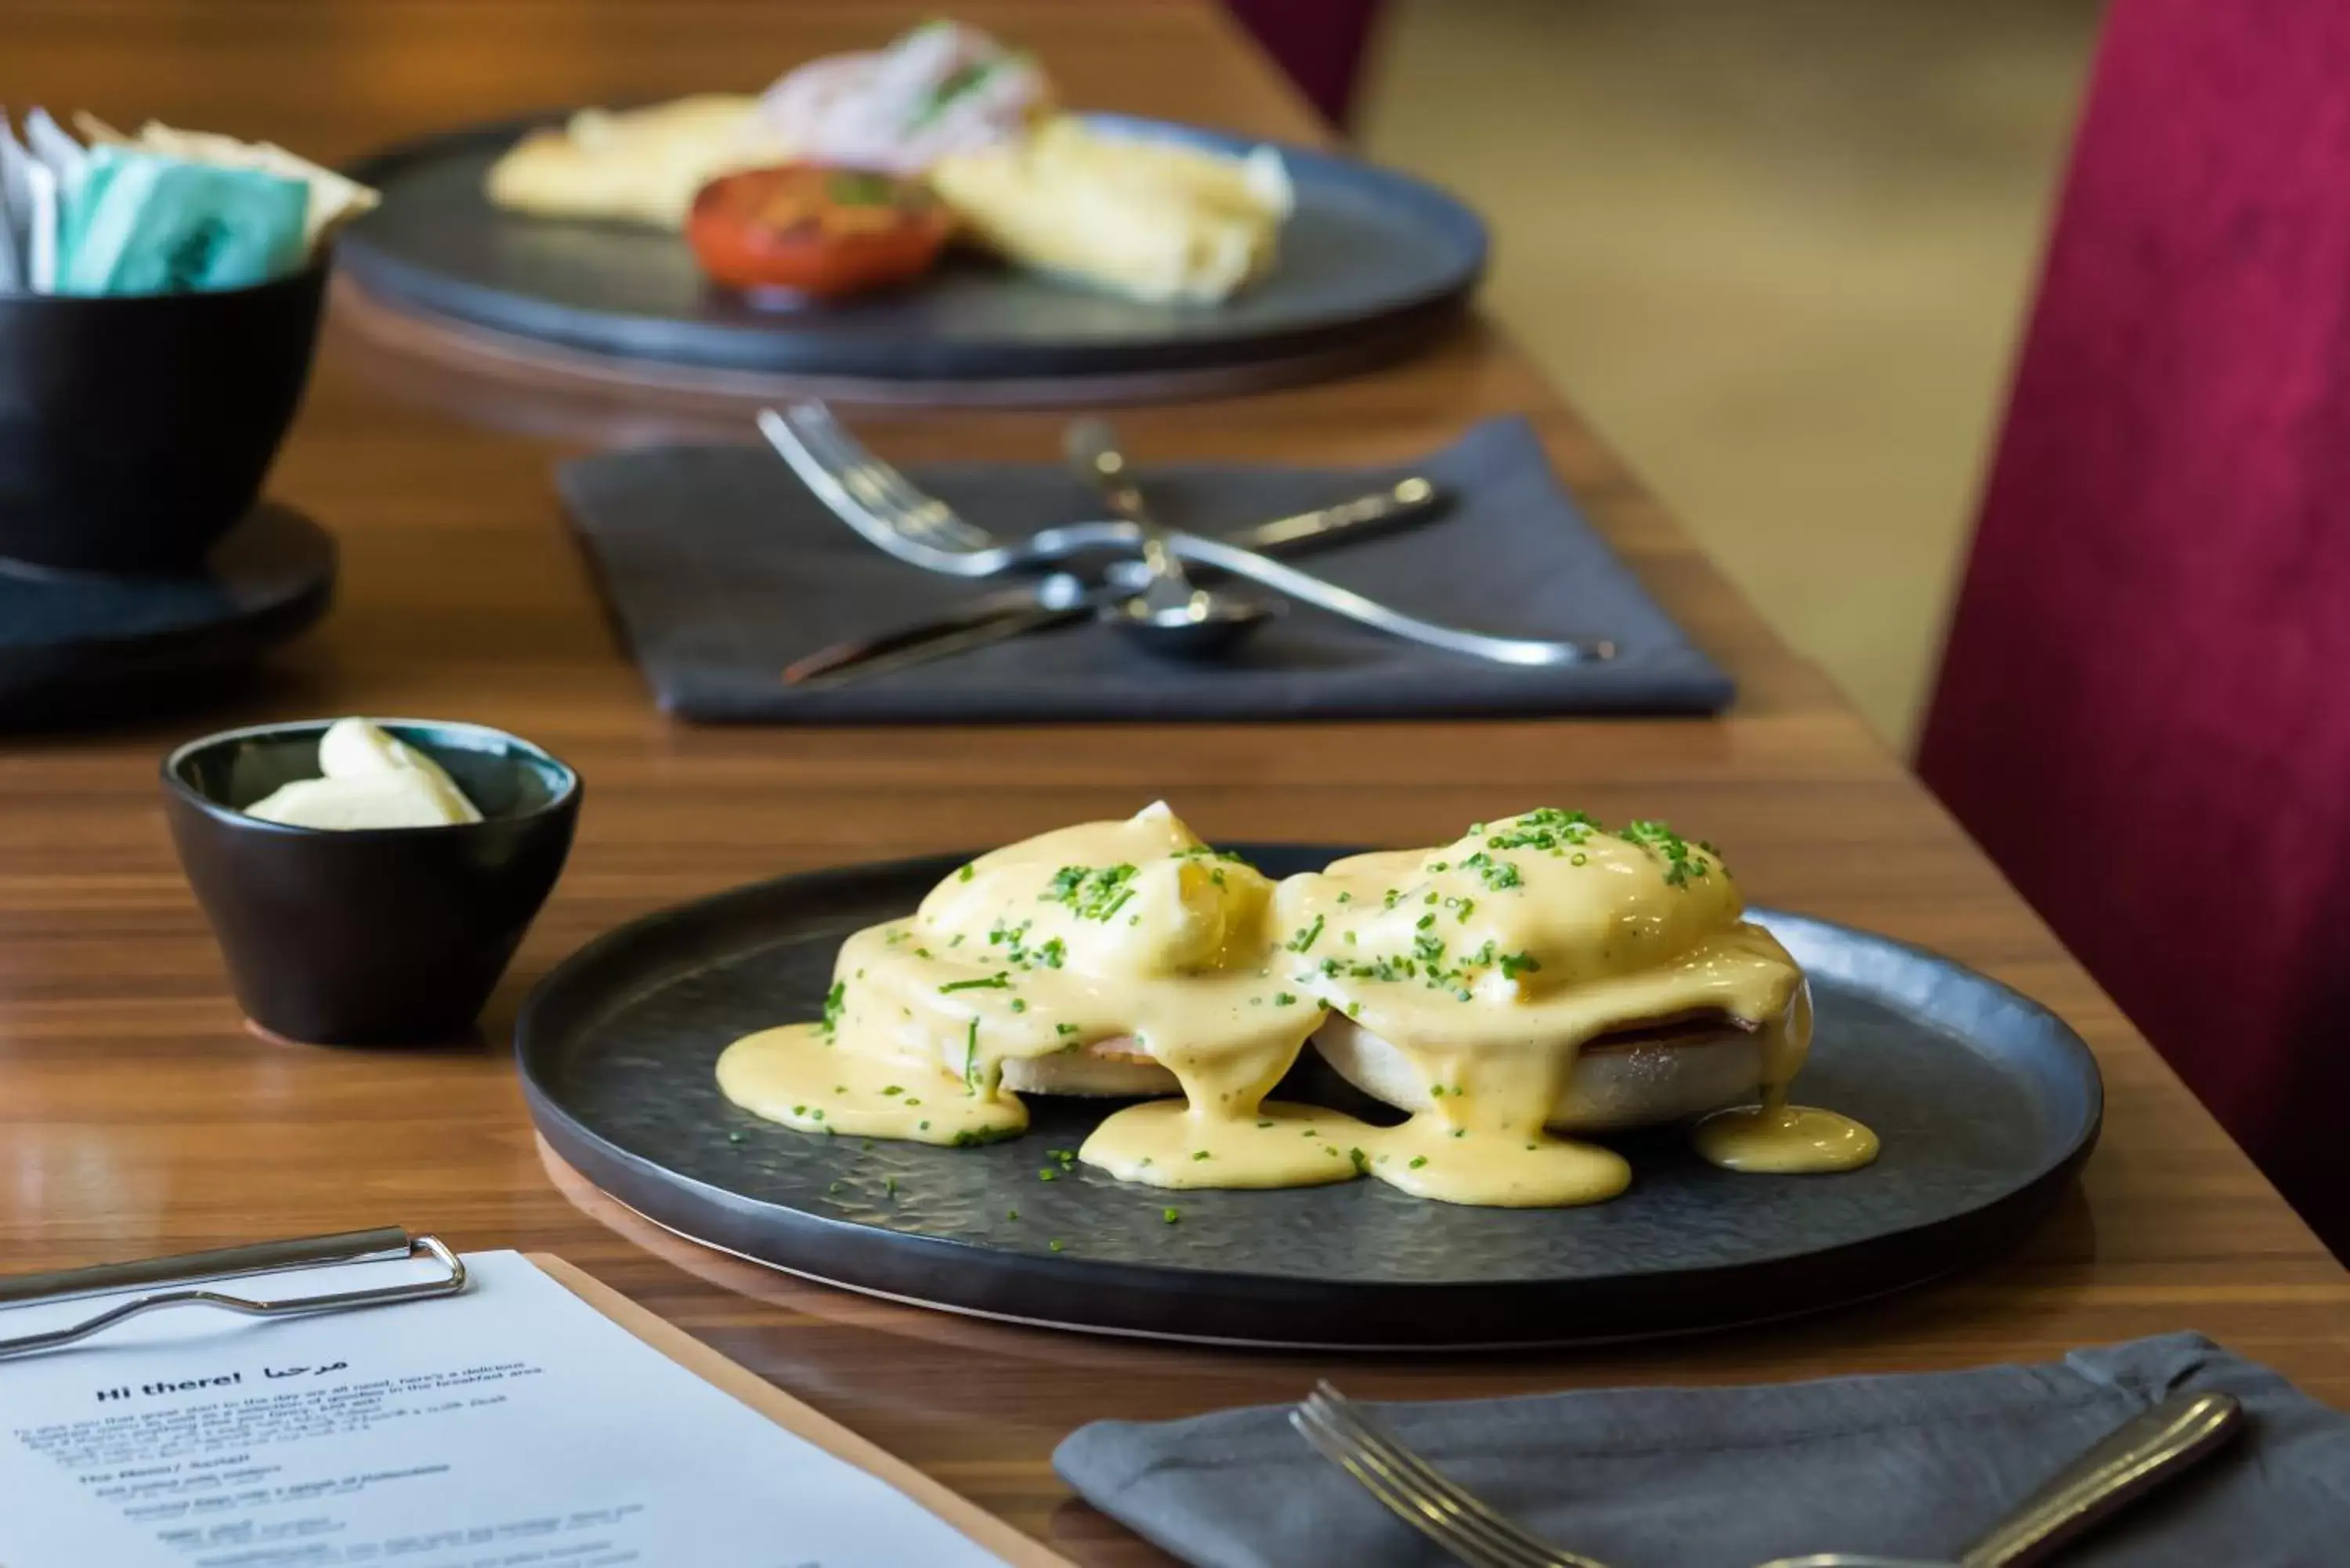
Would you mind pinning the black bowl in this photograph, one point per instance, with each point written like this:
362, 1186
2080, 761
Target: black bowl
136, 430
374, 936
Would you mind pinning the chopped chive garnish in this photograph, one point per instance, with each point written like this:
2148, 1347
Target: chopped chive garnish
1096, 893
1497, 875
1682, 864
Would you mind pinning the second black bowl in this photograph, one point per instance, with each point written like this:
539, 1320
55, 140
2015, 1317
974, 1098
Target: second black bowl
375, 936
136, 430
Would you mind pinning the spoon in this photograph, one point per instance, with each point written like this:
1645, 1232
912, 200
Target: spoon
1173, 616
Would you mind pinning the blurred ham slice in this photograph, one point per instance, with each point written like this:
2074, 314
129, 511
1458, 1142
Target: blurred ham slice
942, 87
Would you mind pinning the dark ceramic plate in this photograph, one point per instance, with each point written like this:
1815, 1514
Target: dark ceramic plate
1985, 1100
1368, 252
73, 644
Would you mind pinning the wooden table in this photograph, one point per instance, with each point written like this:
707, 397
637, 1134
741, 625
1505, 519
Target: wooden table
137, 1116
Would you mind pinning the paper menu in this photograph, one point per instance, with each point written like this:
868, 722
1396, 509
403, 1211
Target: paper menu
511, 1426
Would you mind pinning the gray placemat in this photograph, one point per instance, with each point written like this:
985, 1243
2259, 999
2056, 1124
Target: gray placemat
1912, 1466
722, 568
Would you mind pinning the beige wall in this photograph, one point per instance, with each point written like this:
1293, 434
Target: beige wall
1778, 250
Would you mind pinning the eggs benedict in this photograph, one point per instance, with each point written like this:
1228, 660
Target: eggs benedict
1541, 975
1109, 959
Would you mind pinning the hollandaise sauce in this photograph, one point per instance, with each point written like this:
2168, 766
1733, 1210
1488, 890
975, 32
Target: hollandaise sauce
1489, 963
1129, 958
1120, 948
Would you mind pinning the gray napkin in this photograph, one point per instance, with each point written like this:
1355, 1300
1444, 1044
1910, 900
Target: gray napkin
1910, 1466
722, 568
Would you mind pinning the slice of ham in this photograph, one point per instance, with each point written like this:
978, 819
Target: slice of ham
940, 88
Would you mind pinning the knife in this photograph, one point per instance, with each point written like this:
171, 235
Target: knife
1062, 599
1056, 600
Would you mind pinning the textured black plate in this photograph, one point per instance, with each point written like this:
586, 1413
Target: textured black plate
1985, 1100
73, 644
1368, 252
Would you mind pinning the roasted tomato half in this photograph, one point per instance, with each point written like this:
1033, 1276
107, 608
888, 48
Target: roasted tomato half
824, 232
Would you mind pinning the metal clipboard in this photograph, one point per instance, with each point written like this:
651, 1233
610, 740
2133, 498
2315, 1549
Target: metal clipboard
188, 1279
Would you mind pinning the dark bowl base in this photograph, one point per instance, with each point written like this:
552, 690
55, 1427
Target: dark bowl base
78, 645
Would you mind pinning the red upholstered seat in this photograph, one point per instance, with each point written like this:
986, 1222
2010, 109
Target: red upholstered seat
1319, 44
2144, 712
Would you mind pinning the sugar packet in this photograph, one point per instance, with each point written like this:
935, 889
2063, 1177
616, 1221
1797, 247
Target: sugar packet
164, 210
335, 199
138, 223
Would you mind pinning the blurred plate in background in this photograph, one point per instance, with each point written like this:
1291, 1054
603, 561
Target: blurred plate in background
1370, 260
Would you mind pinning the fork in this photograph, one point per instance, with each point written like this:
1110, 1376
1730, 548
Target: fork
1422, 1496
887, 509
2141, 1453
